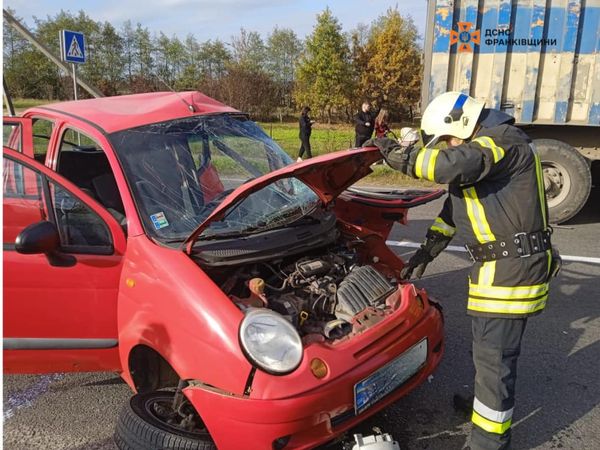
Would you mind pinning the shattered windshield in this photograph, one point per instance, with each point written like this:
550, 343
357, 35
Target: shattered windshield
179, 171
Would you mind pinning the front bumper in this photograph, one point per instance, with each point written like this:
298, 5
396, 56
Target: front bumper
311, 417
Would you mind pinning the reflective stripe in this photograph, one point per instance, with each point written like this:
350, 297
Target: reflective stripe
541, 187
506, 307
486, 273
425, 163
491, 414
476, 214
489, 425
488, 142
508, 292
442, 227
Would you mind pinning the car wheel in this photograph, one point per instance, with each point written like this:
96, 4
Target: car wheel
149, 422
567, 178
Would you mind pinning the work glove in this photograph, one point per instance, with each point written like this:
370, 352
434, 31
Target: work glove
434, 244
398, 157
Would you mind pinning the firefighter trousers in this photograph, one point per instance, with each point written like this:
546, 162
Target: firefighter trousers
496, 348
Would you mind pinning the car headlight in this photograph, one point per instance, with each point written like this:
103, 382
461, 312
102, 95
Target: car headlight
270, 342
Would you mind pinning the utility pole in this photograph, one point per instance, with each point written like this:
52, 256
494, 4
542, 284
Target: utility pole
7, 99
42, 48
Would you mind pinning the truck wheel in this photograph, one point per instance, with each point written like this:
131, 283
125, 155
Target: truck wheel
567, 178
148, 422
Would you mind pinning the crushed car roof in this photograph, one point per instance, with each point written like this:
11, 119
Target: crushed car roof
129, 111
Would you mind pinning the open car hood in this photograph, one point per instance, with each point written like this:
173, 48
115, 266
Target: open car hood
328, 175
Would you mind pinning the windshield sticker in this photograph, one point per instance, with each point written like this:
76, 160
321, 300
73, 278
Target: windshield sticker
159, 220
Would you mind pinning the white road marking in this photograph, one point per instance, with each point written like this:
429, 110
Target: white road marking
456, 248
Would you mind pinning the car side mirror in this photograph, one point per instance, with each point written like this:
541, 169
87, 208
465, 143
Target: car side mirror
42, 237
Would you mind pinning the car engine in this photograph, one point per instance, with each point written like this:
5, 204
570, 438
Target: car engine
329, 295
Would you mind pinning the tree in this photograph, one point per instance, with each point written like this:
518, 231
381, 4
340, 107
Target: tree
283, 50
128, 36
391, 77
50, 80
214, 58
109, 60
248, 90
190, 75
143, 62
16, 52
249, 50
324, 70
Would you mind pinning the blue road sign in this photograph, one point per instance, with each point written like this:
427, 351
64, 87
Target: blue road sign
73, 47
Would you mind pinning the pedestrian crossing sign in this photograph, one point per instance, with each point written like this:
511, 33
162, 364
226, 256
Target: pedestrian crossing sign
72, 46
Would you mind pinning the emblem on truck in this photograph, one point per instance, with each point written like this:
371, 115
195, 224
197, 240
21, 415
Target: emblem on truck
463, 37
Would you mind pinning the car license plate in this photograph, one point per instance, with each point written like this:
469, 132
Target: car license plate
379, 384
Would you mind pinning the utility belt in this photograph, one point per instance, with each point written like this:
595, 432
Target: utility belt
521, 245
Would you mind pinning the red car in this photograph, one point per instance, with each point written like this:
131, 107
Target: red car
248, 301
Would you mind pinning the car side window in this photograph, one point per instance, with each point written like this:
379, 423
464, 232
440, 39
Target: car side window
22, 201
42, 131
11, 136
82, 161
81, 230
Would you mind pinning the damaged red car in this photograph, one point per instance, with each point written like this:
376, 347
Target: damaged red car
248, 301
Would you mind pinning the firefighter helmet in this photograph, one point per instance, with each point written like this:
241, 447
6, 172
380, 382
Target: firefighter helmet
451, 114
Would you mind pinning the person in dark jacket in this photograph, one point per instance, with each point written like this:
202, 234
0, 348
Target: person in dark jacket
497, 204
305, 131
363, 125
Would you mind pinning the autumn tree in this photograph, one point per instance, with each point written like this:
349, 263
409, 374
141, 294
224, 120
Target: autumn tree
391, 75
324, 70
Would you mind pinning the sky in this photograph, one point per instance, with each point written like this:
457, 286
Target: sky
212, 19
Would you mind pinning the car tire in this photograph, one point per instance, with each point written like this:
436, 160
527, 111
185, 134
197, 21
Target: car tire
567, 178
138, 428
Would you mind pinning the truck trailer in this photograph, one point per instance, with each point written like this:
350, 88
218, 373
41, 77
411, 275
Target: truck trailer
538, 60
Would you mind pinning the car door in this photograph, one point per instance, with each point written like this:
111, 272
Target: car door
378, 209
60, 309
17, 134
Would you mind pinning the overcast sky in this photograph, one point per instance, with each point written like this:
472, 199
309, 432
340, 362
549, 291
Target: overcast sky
211, 19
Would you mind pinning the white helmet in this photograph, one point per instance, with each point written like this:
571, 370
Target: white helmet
451, 114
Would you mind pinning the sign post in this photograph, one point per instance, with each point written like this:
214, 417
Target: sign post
72, 49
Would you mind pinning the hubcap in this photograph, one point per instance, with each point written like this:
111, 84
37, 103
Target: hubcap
557, 182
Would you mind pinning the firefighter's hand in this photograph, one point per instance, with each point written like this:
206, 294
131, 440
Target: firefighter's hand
434, 244
395, 155
417, 264
385, 145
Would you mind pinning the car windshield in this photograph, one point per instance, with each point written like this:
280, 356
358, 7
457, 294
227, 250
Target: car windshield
179, 171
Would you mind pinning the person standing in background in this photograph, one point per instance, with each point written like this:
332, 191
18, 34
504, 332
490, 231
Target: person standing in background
363, 125
382, 127
305, 131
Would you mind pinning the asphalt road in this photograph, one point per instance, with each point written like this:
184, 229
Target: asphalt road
558, 390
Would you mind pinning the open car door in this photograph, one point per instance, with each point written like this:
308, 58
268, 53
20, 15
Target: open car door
17, 134
377, 210
62, 257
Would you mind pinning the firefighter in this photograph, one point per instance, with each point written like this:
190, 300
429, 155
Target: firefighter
497, 204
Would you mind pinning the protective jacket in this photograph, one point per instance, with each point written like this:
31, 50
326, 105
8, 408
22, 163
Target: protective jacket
496, 191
